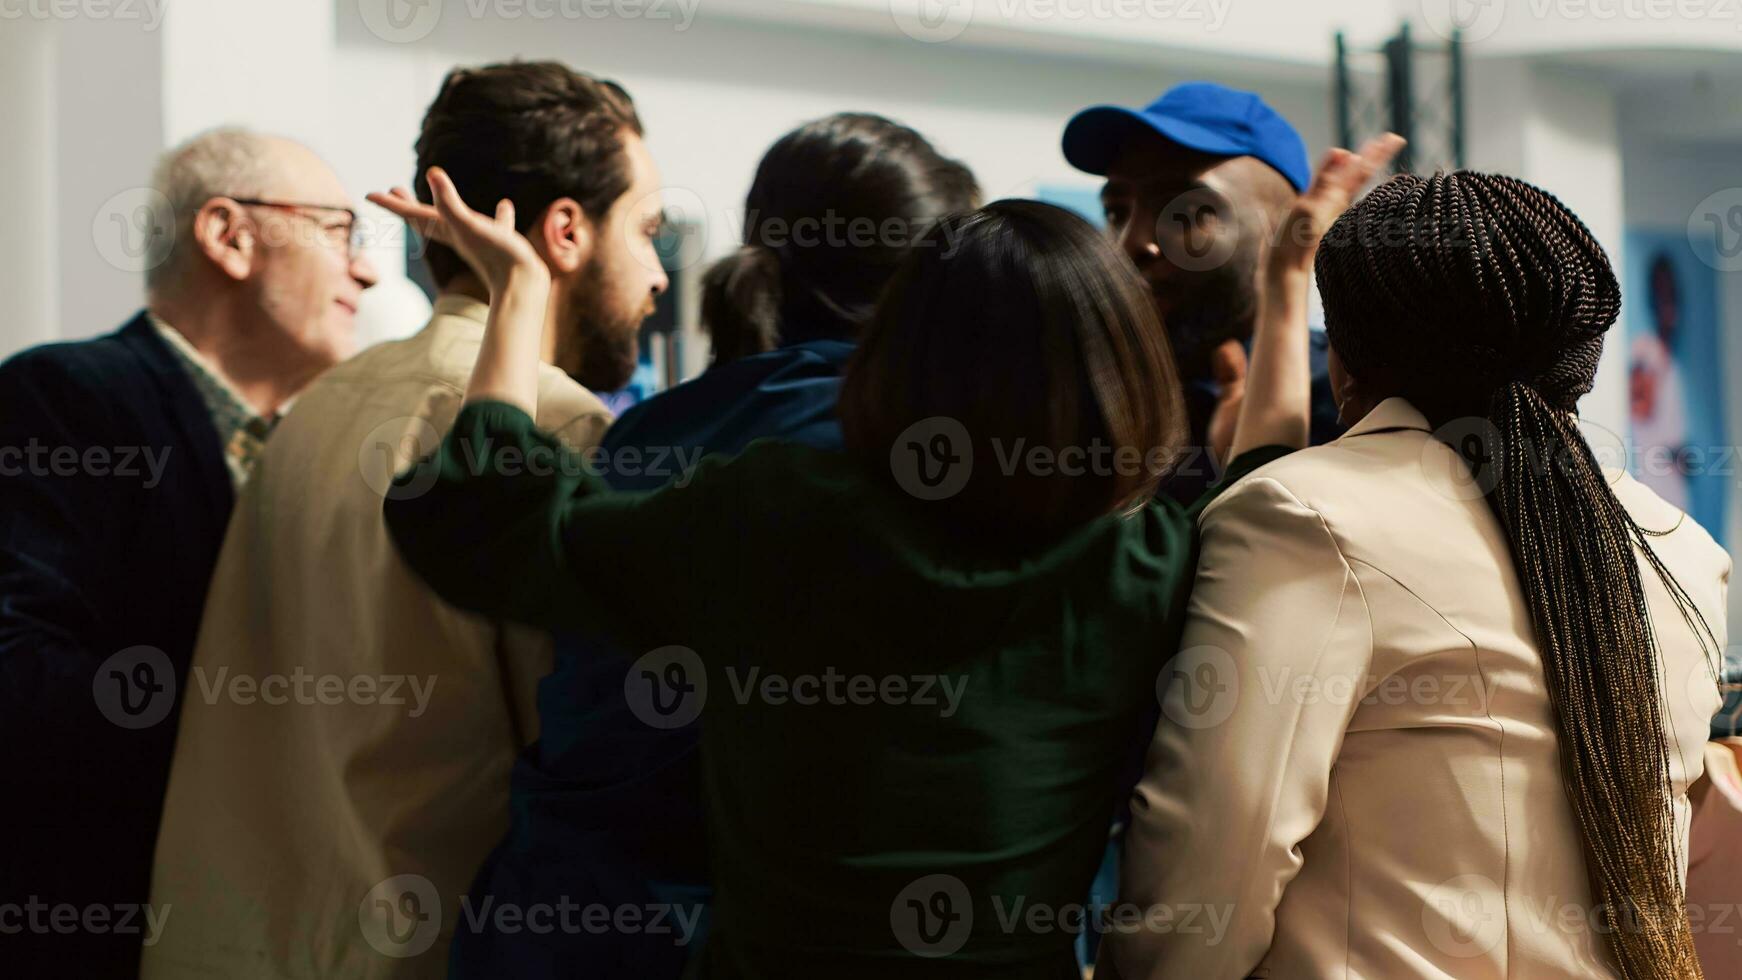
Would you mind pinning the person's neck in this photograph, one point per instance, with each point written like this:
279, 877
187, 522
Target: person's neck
467, 284
239, 344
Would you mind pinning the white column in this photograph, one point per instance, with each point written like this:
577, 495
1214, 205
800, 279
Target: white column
108, 132
27, 180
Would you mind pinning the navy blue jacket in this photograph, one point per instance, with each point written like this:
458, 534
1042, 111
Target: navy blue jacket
1196, 472
604, 808
113, 502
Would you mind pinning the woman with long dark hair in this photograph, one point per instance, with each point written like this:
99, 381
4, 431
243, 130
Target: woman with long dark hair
602, 796
1465, 672
919, 662
834, 205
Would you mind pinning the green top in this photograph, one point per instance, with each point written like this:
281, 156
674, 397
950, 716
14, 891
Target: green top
907, 748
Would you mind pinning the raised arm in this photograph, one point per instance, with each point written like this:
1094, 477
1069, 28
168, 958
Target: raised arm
1276, 408
519, 283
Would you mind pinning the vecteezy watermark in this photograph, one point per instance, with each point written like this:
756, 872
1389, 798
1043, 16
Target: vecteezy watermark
392, 446
934, 21
1480, 456
570, 918
1201, 686
933, 916
1472, 20
405, 21
668, 688
135, 688
134, 230
1188, 230
37, 917
300, 687
836, 689
38, 459
149, 13
402, 916
933, 459
1715, 230
1478, 20
688, 215
1469, 915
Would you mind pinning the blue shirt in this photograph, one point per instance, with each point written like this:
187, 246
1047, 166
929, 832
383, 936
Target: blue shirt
788, 393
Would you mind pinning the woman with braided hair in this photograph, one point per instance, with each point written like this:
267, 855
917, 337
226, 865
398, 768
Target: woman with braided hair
1445, 681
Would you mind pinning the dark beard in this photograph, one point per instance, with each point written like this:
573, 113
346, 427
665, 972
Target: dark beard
1221, 306
598, 349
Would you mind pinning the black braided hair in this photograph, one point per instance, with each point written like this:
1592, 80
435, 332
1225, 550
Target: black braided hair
1481, 296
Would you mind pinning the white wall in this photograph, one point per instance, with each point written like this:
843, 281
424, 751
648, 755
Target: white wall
715, 96
27, 195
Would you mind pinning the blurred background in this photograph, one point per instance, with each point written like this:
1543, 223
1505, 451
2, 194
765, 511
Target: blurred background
1629, 110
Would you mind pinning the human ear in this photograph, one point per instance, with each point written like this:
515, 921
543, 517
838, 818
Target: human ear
564, 236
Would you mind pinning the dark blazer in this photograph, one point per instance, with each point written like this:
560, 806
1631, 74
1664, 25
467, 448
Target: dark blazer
113, 501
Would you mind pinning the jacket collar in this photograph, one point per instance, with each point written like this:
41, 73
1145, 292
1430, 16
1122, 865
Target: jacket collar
454, 304
1397, 414
1389, 416
184, 405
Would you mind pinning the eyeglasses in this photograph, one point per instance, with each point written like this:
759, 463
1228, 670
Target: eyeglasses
345, 234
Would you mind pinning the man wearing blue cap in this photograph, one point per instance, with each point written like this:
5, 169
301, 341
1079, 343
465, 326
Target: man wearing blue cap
1197, 183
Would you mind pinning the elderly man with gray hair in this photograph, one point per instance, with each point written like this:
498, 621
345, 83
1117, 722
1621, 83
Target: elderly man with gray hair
119, 461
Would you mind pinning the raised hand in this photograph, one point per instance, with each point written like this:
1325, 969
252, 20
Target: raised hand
1340, 176
491, 246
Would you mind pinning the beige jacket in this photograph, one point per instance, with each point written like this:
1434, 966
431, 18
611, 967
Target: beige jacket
342, 764
1357, 773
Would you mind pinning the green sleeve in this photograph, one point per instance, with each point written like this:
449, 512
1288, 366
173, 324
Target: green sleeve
505, 521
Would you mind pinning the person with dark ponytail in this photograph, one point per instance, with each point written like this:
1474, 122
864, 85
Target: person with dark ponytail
1459, 674
834, 205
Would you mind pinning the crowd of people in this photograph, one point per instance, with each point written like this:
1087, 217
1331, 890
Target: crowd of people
989, 554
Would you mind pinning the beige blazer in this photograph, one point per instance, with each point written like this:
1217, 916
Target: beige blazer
1357, 772
343, 728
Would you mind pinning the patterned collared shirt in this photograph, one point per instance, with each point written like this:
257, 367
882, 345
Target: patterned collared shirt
241, 430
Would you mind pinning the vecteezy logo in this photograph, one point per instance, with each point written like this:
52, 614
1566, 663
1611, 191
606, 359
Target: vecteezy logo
932, 916
932, 458
1190, 232
135, 688
686, 233
401, 916
1472, 469
1473, 20
400, 21
392, 446
134, 230
667, 687
1199, 687
1457, 917
932, 21
1715, 230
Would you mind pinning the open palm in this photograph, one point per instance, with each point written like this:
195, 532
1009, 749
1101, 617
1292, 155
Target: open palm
1340, 176
490, 245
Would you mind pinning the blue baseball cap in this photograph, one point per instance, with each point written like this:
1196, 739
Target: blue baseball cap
1202, 116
